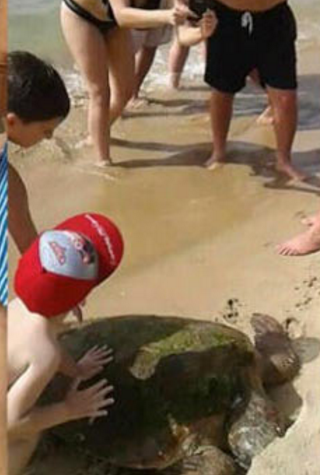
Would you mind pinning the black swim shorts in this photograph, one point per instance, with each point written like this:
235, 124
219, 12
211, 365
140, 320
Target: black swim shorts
247, 40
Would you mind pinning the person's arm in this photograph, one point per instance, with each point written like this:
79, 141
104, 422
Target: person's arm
22, 418
25, 419
129, 17
21, 226
189, 35
68, 365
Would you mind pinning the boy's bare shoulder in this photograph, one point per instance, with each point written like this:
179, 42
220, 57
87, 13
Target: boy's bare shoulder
45, 353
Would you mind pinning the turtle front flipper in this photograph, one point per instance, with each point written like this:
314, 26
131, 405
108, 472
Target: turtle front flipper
277, 358
253, 427
206, 461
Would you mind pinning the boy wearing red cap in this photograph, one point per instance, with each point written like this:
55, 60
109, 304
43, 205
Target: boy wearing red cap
54, 276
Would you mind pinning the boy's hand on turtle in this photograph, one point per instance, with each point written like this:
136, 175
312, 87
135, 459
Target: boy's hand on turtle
91, 402
94, 361
208, 24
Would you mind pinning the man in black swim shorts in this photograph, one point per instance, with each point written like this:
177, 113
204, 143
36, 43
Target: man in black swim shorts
261, 37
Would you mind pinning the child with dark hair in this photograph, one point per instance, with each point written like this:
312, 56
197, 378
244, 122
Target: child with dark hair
37, 99
37, 103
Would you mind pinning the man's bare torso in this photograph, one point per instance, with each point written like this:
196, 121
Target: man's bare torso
251, 5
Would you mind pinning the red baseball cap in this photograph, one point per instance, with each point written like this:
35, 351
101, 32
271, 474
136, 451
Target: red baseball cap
63, 265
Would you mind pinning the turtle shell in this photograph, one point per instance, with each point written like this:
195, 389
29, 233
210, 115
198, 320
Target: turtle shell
175, 381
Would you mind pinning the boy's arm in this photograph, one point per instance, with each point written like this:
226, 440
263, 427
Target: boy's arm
190, 34
68, 366
22, 417
26, 419
21, 226
129, 17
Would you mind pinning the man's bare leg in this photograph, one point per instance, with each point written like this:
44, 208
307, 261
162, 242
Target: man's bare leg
304, 243
221, 105
20, 452
284, 105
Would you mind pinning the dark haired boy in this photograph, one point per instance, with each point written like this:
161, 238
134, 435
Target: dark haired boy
37, 103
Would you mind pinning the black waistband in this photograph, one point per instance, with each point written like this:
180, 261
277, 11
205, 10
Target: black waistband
232, 12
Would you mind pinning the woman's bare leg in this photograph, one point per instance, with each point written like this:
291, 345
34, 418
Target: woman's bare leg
266, 117
143, 62
120, 54
88, 48
178, 55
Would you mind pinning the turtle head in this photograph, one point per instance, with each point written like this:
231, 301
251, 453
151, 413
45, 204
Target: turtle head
253, 428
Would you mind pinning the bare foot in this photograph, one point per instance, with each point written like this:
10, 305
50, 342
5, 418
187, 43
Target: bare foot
103, 163
266, 118
289, 170
302, 244
86, 142
215, 161
137, 102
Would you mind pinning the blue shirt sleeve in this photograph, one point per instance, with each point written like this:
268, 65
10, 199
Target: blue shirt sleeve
4, 225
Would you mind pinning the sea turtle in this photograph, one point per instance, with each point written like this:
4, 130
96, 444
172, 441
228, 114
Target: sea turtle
188, 393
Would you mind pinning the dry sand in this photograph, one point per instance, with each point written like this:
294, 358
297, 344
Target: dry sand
200, 243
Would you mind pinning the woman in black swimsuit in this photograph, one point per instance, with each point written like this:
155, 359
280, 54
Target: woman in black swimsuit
97, 34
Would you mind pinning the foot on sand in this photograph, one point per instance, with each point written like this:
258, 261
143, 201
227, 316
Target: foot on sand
302, 244
86, 142
137, 103
290, 171
104, 164
215, 161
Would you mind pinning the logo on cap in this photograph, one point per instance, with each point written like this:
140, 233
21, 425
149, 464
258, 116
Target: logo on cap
105, 237
69, 254
59, 251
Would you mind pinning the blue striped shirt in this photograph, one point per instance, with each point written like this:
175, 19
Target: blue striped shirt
4, 226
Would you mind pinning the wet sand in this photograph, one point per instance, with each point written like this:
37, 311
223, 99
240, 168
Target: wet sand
199, 243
